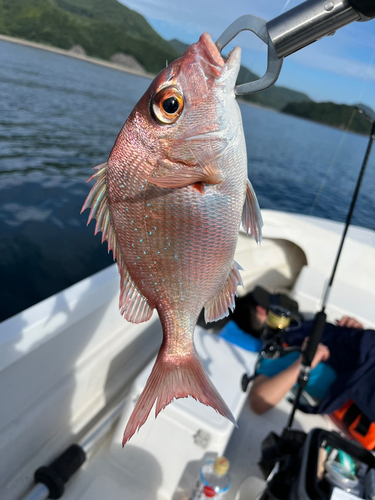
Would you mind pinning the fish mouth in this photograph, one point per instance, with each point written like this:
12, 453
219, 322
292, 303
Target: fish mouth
214, 56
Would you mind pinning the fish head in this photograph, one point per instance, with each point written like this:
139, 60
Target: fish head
189, 112
196, 87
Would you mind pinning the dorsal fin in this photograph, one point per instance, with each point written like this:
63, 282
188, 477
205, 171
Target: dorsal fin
133, 305
218, 307
97, 200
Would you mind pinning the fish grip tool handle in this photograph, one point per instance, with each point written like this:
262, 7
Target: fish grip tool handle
293, 30
309, 22
365, 7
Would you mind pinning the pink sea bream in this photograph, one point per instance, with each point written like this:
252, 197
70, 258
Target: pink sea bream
170, 201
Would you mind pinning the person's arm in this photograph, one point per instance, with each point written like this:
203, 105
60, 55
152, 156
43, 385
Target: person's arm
266, 392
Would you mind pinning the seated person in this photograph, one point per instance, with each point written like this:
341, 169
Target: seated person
344, 364
276, 377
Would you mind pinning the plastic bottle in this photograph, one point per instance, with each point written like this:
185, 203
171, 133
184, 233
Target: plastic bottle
213, 478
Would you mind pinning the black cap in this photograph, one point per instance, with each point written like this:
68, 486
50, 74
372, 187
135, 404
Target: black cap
264, 298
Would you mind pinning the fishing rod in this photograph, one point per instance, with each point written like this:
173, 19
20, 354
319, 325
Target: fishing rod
293, 30
320, 317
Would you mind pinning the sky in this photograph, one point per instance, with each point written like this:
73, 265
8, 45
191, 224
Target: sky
339, 68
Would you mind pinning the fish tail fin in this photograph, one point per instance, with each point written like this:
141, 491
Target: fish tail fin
174, 379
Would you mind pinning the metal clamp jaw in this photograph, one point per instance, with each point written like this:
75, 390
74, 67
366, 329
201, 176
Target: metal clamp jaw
258, 26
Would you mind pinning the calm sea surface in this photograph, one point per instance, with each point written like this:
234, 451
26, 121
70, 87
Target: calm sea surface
60, 116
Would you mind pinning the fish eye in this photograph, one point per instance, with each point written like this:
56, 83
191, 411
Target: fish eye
171, 105
167, 105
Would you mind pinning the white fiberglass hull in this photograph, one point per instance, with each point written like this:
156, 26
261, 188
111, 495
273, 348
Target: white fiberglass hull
63, 360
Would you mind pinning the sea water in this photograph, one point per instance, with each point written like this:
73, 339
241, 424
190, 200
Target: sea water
60, 116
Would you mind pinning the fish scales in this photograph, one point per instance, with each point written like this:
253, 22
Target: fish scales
186, 223
176, 190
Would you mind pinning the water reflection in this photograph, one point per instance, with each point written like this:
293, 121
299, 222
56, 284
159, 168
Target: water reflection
59, 117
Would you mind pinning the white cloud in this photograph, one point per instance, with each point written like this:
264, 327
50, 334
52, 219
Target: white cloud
337, 64
207, 15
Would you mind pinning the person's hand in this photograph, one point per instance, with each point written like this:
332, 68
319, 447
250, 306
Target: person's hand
322, 353
349, 322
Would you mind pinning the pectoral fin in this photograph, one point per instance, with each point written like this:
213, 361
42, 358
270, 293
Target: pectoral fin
182, 177
252, 221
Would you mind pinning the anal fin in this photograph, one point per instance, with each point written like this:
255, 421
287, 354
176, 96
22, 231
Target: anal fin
133, 304
252, 221
218, 307
173, 379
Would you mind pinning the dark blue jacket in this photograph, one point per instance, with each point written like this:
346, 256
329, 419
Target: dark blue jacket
353, 359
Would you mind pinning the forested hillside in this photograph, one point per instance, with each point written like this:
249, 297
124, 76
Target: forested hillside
106, 27
102, 28
337, 115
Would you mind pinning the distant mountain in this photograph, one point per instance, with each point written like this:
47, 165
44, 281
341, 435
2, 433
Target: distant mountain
178, 46
276, 97
337, 115
367, 110
113, 12
102, 28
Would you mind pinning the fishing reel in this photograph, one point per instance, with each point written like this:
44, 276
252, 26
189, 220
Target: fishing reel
278, 320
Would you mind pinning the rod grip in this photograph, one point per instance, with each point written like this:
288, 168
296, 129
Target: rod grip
314, 339
55, 475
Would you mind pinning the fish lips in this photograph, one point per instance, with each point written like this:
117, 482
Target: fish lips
212, 61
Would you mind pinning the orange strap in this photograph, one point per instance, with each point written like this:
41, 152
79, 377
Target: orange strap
357, 424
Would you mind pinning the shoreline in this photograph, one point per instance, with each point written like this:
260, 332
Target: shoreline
56, 50
102, 62
124, 69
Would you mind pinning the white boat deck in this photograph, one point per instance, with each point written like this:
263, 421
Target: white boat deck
163, 460
67, 358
